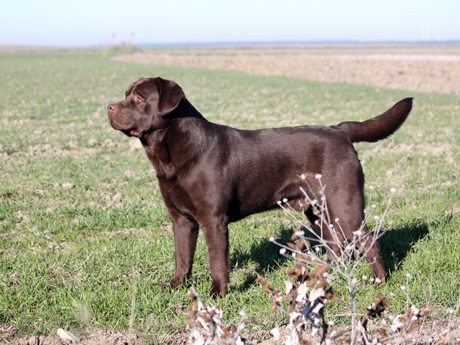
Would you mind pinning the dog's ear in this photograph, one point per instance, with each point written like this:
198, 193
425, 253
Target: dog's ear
169, 96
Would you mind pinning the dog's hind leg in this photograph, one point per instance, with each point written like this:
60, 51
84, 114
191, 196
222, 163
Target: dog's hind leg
348, 219
334, 240
369, 246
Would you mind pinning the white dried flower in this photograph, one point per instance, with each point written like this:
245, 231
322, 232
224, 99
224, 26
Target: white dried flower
283, 251
450, 311
403, 288
378, 280
272, 239
285, 200
358, 233
302, 292
303, 177
408, 275
318, 176
373, 206
275, 332
279, 202
365, 278
299, 233
393, 190
397, 324
336, 220
376, 217
371, 187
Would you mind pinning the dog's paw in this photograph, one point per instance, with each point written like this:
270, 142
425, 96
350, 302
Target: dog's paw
218, 289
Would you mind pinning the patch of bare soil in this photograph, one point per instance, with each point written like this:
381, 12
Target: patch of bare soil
416, 68
444, 331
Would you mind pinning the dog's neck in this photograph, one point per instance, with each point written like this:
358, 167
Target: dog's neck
183, 138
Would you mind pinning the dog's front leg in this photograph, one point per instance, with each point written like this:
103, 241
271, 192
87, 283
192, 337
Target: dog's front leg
185, 237
216, 235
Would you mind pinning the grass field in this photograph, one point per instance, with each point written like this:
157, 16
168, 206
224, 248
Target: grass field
85, 240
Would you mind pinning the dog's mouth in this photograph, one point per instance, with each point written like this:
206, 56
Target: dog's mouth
135, 133
130, 132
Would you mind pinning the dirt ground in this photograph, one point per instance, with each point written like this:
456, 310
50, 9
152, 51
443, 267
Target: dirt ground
424, 68
444, 331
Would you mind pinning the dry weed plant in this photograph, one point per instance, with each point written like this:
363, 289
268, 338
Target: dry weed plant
205, 323
351, 254
310, 288
311, 284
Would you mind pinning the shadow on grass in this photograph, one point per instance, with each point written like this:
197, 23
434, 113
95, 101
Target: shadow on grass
395, 244
265, 254
398, 242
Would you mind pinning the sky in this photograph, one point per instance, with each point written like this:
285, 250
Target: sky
102, 22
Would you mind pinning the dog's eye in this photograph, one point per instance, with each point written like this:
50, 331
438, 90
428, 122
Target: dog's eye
138, 98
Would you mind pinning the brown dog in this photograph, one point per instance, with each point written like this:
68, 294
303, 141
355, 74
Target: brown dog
211, 175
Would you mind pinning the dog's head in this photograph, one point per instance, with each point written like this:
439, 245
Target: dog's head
145, 107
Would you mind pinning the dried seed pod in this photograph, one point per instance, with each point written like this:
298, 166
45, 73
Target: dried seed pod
321, 283
291, 245
225, 332
191, 295
330, 295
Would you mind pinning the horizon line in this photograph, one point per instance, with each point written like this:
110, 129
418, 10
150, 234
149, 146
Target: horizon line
233, 43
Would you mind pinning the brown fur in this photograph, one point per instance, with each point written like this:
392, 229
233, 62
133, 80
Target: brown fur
211, 175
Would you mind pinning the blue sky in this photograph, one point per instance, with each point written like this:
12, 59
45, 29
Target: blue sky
100, 22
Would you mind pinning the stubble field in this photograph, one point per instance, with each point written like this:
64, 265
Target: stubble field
85, 240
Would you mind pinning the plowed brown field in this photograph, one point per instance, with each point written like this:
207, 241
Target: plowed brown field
424, 68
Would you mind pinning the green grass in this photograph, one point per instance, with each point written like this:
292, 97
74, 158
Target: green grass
67, 250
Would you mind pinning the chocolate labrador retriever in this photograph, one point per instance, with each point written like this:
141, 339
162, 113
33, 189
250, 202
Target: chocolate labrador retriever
211, 175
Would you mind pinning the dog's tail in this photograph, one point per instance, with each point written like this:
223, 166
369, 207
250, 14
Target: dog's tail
379, 127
